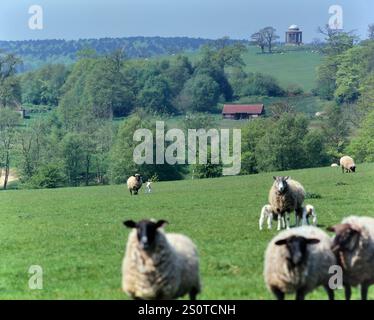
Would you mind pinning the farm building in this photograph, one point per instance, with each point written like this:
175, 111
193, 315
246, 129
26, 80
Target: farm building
242, 111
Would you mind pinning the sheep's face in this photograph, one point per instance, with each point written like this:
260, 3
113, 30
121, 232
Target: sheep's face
281, 184
146, 232
353, 168
137, 177
347, 237
297, 248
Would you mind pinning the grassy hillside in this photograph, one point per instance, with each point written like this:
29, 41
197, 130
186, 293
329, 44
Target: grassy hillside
77, 236
290, 67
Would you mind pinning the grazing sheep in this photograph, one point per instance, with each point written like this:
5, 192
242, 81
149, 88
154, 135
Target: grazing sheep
298, 261
354, 247
309, 211
285, 196
334, 165
347, 164
157, 265
134, 183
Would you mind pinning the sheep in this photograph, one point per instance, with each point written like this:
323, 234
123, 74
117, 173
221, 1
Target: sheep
134, 183
298, 261
287, 195
148, 187
158, 265
267, 214
334, 165
353, 245
347, 164
309, 211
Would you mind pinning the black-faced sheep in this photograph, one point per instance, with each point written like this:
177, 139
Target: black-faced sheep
298, 261
354, 247
159, 266
285, 196
347, 164
134, 183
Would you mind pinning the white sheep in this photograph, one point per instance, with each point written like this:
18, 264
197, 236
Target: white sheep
267, 214
298, 261
334, 165
148, 187
347, 164
309, 211
354, 247
157, 265
134, 183
285, 196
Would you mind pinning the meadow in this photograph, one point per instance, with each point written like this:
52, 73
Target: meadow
76, 234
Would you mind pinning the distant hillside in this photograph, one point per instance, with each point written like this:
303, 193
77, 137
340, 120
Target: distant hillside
38, 52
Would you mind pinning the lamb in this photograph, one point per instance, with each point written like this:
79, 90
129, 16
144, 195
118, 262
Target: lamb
134, 183
298, 261
309, 211
347, 164
287, 195
267, 214
334, 165
157, 265
354, 247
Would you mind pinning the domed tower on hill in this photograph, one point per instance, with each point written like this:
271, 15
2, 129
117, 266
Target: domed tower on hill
294, 35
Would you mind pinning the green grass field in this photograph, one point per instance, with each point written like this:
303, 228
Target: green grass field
292, 67
76, 234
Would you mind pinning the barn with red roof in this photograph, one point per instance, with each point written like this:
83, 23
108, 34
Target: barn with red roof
242, 111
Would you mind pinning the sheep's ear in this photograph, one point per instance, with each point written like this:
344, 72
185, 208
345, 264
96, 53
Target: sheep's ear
286, 178
281, 242
161, 223
312, 241
129, 224
274, 177
355, 228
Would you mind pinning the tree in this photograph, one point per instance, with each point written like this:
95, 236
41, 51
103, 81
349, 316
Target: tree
269, 34
200, 94
362, 145
259, 40
10, 93
371, 31
9, 120
337, 41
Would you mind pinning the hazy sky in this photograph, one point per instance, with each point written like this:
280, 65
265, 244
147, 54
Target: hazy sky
73, 19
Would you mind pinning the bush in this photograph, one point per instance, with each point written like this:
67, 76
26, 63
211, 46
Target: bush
48, 176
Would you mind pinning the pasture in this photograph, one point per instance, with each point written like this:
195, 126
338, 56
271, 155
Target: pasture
76, 234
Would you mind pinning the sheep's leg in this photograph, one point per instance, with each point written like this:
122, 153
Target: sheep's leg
279, 222
315, 220
305, 218
348, 292
193, 293
364, 291
287, 221
270, 220
261, 221
130, 191
278, 293
300, 294
329, 291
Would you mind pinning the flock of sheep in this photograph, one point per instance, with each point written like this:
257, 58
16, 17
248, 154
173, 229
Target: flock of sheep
159, 265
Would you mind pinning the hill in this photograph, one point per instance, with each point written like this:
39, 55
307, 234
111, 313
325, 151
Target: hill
76, 234
36, 53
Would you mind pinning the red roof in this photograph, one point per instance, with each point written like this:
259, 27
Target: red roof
243, 108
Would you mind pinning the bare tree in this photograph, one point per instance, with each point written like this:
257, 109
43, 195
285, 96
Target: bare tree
371, 31
270, 36
259, 40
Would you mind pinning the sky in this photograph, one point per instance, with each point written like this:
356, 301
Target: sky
238, 19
